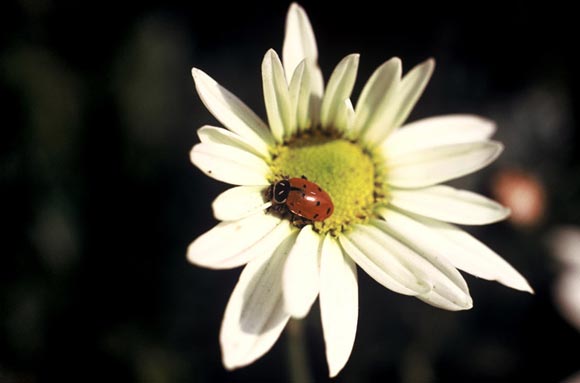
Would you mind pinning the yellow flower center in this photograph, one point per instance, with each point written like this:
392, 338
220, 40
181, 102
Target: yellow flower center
352, 176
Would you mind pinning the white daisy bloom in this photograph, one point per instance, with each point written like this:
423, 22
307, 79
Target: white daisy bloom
391, 217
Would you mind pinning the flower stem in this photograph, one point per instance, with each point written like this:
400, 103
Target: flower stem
297, 353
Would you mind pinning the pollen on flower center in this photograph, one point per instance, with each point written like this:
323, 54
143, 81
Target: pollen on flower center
341, 167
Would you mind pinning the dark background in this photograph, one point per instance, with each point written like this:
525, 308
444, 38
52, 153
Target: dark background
99, 200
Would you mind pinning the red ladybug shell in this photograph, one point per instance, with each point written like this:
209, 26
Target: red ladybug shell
306, 199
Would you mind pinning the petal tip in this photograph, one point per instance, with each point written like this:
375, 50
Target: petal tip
469, 303
430, 66
191, 255
523, 286
336, 364
506, 213
228, 363
297, 313
499, 147
332, 372
192, 154
196, 73
295, 7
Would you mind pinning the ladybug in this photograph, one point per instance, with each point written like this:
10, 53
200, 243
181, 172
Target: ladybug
303, 198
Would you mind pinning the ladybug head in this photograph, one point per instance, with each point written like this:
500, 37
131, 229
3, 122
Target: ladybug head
280, 191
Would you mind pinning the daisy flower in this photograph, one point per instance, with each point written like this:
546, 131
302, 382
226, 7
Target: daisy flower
391, 216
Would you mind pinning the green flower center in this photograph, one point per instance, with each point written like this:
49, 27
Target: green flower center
353, 177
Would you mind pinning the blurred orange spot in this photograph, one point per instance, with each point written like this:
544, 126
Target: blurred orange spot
523, 193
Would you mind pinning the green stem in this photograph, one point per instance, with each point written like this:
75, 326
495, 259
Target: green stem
297, 353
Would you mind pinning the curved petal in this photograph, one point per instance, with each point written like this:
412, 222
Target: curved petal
235, 243
239, 202
388, 100
299, 40
300, 277
445, 282
255, 314
437, 300
229, 164
345, 116
460, 248
449, 204
374, 109
338, 304
299, 90
438, 131
381, 265
339, 89
435, 165
277, 97
232, 112
410, 90
300, 44
305, 104
214, 135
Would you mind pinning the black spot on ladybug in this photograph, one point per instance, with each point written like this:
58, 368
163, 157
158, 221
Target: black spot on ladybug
315, 216
291, 203
303, 195
327, 211
317, 203
304, 186
319, 189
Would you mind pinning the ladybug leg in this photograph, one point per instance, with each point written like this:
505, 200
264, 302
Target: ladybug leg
280, 211
299, 221
268, 192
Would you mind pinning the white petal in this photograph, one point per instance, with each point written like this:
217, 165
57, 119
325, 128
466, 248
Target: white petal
255, 315
338, 304
339, 89
233, 243
276, 96
305, 104
411, 88
239, 202
504, 272
300, 44
440, 301
232, 112
374, 109
229, 164
435, 165
381, 265
214, 135
299, 40
449, 204
344, 117
445, 282
438, 131
300, 277
299, 90
461, 249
